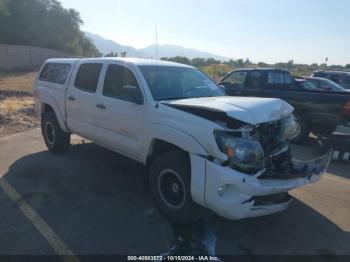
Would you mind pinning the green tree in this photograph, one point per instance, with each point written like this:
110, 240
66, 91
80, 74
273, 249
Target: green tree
212, 61
240, 63
198, 62
123, 54
177, 59
43, 23
347, 66
111, 54
262, 65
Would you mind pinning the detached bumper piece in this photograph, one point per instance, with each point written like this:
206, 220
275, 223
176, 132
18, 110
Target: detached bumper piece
299, 168
236, 195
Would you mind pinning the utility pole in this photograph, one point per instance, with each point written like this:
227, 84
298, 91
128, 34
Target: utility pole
156, 42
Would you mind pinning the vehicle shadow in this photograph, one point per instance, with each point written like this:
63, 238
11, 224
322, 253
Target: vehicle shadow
96, 201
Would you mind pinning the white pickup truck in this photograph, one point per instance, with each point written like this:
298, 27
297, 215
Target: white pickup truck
200, 148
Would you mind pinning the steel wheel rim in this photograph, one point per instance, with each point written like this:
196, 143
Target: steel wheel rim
298, 128
171, 188
50, 133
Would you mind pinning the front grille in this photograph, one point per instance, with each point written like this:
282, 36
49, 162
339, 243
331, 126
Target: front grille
270, 136
277, 153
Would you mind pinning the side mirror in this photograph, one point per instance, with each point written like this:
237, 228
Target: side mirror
222, 88
132, 94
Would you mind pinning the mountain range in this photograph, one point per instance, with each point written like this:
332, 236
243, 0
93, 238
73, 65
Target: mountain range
106, 46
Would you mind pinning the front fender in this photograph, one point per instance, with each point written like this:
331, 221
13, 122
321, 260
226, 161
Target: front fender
179, 138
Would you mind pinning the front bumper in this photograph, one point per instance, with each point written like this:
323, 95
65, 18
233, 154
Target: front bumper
235, 195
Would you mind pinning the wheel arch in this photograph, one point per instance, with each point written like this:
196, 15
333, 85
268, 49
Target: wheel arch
49, 106
167, 138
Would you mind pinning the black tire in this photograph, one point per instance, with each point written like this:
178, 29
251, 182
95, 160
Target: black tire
303, 130
324, 130
170, 183
56, 140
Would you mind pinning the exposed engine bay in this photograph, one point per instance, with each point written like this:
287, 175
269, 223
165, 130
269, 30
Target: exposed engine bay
274, 159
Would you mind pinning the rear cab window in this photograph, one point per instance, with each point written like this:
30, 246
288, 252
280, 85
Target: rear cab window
87, 77
279, 79
56, 73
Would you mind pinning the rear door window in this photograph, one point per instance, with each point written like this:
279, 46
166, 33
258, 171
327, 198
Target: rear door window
279, 80
55, 73
87, 77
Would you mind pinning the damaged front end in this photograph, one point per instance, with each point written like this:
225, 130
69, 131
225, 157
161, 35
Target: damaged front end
253, 167
257, 183
263, 150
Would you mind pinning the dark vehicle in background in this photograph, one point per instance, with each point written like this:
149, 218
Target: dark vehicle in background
316, 111
325, 84
340, 77
305, 84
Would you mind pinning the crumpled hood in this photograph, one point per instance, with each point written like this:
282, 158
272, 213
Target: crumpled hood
251, 110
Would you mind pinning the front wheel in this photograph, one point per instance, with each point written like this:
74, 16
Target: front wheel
170, 182
56, 140
302, 130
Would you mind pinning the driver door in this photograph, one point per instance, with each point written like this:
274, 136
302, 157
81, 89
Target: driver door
234, 83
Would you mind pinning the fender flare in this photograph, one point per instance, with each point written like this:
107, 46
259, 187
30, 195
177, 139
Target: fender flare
178, 138
48, 100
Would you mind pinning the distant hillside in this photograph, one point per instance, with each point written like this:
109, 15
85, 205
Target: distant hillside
106, 46
174, 50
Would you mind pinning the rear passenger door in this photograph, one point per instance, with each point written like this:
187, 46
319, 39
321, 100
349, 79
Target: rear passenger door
81, 100
120, 110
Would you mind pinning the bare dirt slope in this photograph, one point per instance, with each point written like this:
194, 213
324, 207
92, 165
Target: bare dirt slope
16, 103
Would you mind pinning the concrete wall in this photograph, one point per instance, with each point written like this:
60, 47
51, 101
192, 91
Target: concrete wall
14, 57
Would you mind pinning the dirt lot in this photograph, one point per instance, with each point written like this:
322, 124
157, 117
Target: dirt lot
16, 103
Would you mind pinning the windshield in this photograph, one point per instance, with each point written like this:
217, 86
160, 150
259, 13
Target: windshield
330, 85
167, 83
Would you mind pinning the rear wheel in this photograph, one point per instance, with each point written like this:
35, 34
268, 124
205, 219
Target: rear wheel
56, 140
170, 182
303, 130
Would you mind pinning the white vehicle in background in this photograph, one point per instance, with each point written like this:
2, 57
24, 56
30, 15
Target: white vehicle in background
200, 147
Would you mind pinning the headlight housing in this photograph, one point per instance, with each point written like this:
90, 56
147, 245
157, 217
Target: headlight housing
245, 155
290, 128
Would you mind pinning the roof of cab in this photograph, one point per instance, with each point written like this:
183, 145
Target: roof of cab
134, 61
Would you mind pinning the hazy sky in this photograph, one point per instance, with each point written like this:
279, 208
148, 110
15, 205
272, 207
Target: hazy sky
307, 31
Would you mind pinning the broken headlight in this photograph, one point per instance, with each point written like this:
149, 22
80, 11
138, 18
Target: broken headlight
243, 154
290, 128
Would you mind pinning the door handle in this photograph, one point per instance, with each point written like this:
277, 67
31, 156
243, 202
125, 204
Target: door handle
101, 106
71, 98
